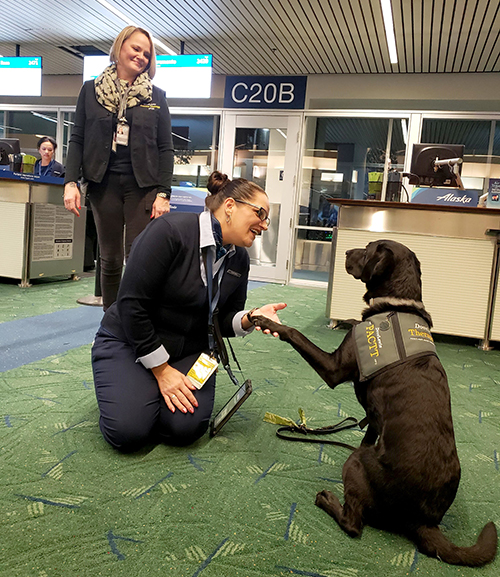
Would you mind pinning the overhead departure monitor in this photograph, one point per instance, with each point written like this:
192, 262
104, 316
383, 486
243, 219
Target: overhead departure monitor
20, 76
180, 76
184, 75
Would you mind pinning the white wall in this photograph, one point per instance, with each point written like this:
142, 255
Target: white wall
405, 91
465, 92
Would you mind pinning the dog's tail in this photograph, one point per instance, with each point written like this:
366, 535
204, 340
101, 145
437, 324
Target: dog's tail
433, 543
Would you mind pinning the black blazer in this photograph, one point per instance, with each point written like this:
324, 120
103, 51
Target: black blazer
162, 298
150, 140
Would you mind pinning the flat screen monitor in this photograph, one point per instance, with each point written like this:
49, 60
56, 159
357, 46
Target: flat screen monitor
93, 66
184, 75
8, 146
181, 76
425, 172
20, 76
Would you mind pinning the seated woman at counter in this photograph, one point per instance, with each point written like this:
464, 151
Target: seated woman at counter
46, 165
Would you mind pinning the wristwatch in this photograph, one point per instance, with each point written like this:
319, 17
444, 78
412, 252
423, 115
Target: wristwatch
163, 195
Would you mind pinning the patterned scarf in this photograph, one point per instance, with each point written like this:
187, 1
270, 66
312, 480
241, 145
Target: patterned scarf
106, 91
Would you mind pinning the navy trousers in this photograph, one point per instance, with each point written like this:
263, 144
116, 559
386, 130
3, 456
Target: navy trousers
132, 410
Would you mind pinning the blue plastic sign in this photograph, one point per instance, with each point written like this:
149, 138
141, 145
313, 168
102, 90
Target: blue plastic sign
278, 92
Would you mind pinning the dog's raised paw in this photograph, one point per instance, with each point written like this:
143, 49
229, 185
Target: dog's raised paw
265, 323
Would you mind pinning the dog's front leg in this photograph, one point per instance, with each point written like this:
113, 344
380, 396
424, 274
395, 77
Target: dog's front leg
333, 368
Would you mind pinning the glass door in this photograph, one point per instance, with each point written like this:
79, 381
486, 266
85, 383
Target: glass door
264, 149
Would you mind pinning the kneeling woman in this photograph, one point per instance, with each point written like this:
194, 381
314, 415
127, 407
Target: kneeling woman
151, 336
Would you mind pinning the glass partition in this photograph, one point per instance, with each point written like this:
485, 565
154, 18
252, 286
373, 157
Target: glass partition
196, 143
344, 157
29, 127
68, 120
259, 155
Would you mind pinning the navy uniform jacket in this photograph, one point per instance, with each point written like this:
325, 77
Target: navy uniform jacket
57, 169
150, 140
162, 297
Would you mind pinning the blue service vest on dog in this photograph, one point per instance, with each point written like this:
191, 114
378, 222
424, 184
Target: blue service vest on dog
389, 338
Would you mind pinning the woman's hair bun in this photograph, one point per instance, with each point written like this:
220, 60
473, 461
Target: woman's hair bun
216, 181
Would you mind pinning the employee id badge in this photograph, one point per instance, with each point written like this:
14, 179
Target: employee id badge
228, 410
122, 132
202, 369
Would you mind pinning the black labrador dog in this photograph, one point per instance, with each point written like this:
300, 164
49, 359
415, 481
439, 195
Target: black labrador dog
405, 474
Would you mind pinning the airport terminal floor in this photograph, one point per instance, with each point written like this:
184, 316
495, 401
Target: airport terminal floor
238, 504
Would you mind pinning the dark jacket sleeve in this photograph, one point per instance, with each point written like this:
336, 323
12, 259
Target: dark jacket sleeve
165, 148
141, 288
75, 150
237, 289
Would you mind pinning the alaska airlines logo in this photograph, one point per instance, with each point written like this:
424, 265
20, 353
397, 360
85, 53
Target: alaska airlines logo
450, 197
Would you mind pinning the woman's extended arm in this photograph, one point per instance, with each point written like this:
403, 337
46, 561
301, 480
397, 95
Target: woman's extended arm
166, 159
72, 198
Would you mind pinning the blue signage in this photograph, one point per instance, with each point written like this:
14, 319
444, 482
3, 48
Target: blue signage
265, 92
447, 196
30, 177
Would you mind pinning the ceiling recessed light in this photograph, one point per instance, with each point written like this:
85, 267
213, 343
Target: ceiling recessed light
389, 30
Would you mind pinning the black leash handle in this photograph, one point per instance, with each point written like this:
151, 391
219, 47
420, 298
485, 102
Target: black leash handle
347, 423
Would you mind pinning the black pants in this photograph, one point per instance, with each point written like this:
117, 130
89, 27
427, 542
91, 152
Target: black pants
121, 212
132, 409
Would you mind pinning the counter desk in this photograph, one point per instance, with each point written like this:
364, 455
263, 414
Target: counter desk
458, 251
38, 236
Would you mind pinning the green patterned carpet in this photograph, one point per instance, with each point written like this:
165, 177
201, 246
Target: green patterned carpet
241, 504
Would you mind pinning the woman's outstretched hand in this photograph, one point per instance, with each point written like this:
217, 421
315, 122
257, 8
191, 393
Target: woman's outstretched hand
269, 311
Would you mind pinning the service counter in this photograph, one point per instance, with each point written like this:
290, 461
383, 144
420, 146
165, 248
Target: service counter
38, 236
455, 247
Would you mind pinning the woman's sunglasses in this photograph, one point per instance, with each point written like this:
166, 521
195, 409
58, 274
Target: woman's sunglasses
261, 212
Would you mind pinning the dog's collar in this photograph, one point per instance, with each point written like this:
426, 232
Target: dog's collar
396, 302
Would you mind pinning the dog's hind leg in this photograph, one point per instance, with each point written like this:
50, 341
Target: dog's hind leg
349, 519
357, 496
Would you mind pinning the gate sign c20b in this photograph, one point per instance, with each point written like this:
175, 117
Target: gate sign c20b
265, 92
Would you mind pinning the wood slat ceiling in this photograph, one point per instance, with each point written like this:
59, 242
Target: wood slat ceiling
271, 37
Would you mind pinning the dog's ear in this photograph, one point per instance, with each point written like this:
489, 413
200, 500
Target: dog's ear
417, 264
379, 260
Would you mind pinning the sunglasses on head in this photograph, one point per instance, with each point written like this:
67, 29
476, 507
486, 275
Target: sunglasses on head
261, 212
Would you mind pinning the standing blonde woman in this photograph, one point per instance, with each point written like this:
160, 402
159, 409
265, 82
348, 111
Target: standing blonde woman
121, 144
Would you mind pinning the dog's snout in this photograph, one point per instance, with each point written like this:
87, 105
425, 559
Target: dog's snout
354, 258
